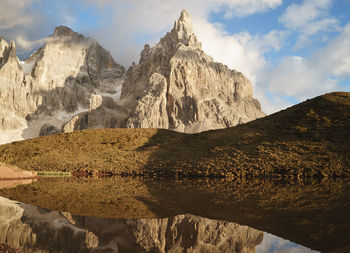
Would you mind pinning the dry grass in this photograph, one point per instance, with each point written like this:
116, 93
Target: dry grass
308, 140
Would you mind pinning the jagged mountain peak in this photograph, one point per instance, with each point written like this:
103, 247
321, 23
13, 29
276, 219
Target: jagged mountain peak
3, 42
7, 52
177, 86
66, 34
184, 14
184, 23
12, 48
182, 31
57, 80
3, 46
63, 31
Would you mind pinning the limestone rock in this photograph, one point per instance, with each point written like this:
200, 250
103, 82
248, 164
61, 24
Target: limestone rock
72, 83
103, 113
177, 86
151, 111
78, 122
34, 229
195, 94
95, 102
55, 82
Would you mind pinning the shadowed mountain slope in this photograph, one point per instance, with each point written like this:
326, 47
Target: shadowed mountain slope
308, 140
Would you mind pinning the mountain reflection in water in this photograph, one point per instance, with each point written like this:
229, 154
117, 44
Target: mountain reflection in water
313, 214
33, 229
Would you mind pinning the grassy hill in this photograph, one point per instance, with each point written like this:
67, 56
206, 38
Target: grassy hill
311, 139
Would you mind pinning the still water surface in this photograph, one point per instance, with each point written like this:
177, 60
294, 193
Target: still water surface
138, 215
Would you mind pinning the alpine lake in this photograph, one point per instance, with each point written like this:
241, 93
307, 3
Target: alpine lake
133, 214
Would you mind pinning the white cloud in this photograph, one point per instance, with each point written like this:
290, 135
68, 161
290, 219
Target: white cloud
299, 15
231, 8
29, 44
154, 17
238, 51
270, 102
240, 8
308, 19
334, 59
245, 53
310, 76
241, 51
20, 21
273, 40
25, 23
14, 13
129, 21
297, 77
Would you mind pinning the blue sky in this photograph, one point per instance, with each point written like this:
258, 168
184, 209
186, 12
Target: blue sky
274, 244
289, 50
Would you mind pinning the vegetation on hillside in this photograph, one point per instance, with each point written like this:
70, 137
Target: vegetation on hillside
311, 139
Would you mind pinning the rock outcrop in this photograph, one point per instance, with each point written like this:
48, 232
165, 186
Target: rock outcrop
34, 229
54, 84
48, 129
177, 86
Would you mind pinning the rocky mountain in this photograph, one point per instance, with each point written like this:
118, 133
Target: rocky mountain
34, 229
57, 82
72, 83
177, 86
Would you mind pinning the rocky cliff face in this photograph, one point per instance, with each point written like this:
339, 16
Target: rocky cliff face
54, 84
72, 83
177, 86
33, 229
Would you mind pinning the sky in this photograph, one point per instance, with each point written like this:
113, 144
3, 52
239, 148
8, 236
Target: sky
289, 50
274, 244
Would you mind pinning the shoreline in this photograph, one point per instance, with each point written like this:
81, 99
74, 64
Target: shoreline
10, 173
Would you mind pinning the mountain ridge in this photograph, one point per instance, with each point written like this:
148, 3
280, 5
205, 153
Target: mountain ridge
307, 140
54, 82
72, 83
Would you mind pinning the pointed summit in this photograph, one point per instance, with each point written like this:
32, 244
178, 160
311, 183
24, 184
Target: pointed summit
178, 86
183, 31
185, 21
3, 46
63, 31
184, 25
8, 52
184, 14
13, 53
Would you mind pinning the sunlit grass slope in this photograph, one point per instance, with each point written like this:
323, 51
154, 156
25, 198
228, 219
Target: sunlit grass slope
311, 139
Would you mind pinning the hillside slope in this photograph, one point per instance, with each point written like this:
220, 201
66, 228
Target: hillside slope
308, 140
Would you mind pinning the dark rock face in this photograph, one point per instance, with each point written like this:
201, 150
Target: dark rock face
47, 129
33, 229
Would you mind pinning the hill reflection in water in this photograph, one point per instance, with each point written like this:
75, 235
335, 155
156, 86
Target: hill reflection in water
313, 214
33, 229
